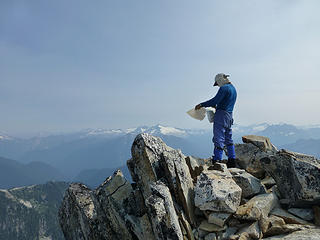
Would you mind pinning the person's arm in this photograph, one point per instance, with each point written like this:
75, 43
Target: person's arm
213, 102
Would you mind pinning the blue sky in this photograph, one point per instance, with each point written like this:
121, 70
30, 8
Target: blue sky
69, 65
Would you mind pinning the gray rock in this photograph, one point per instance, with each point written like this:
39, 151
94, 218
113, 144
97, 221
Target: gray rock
271, 224
249, 156
152, 160
211, 236
297, 177
114, 195
227, 233
80, 216
316, 210
216, 191
162, 213
259, 141
218, 218
303, 213
209, 227
253, 230
288, 217
257, 207
249, 184
307, 234
180, 181
106, 213
195, 166
268, 182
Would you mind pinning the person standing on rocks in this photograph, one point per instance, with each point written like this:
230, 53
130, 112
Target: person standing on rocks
223, 102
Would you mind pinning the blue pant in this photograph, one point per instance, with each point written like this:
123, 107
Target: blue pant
222, 135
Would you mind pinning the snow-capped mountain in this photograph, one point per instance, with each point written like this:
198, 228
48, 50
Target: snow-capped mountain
5, 137
156, 130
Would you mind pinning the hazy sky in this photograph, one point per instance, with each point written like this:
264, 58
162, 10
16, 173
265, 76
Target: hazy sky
69, 65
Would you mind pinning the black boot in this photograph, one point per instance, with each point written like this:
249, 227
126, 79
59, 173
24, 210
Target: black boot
231, 163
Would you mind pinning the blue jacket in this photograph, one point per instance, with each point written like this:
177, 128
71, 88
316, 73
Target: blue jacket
224, 103
225, 99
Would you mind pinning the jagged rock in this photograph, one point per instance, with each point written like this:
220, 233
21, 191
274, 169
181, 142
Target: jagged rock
79, 216
298, 179
161, 203
249, 184
259, 141
217, 191
103, 213
195, 167
288, 217
180, 181
209, 227
152, 160
248, 158
303, 213
253, 230
257, 207
162, 213
316, 210
218, 218
307, 234
113, 195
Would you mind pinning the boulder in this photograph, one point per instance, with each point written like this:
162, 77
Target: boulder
297, 177
259, 141
153, 160
162, 213
288, 217
249, 184
248, 158
217, 191
303, 213
257, 207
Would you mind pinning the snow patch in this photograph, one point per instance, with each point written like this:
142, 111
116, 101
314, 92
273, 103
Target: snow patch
171, 131
25, 203
259, 128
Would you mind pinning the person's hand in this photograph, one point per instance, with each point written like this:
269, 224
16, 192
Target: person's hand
198, 107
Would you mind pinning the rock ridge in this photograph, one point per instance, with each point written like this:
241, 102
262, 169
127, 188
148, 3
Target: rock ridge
270, 194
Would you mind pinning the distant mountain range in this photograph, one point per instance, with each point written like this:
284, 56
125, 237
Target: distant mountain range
84, 155
15, 174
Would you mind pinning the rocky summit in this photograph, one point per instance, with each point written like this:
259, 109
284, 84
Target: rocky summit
270, 195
